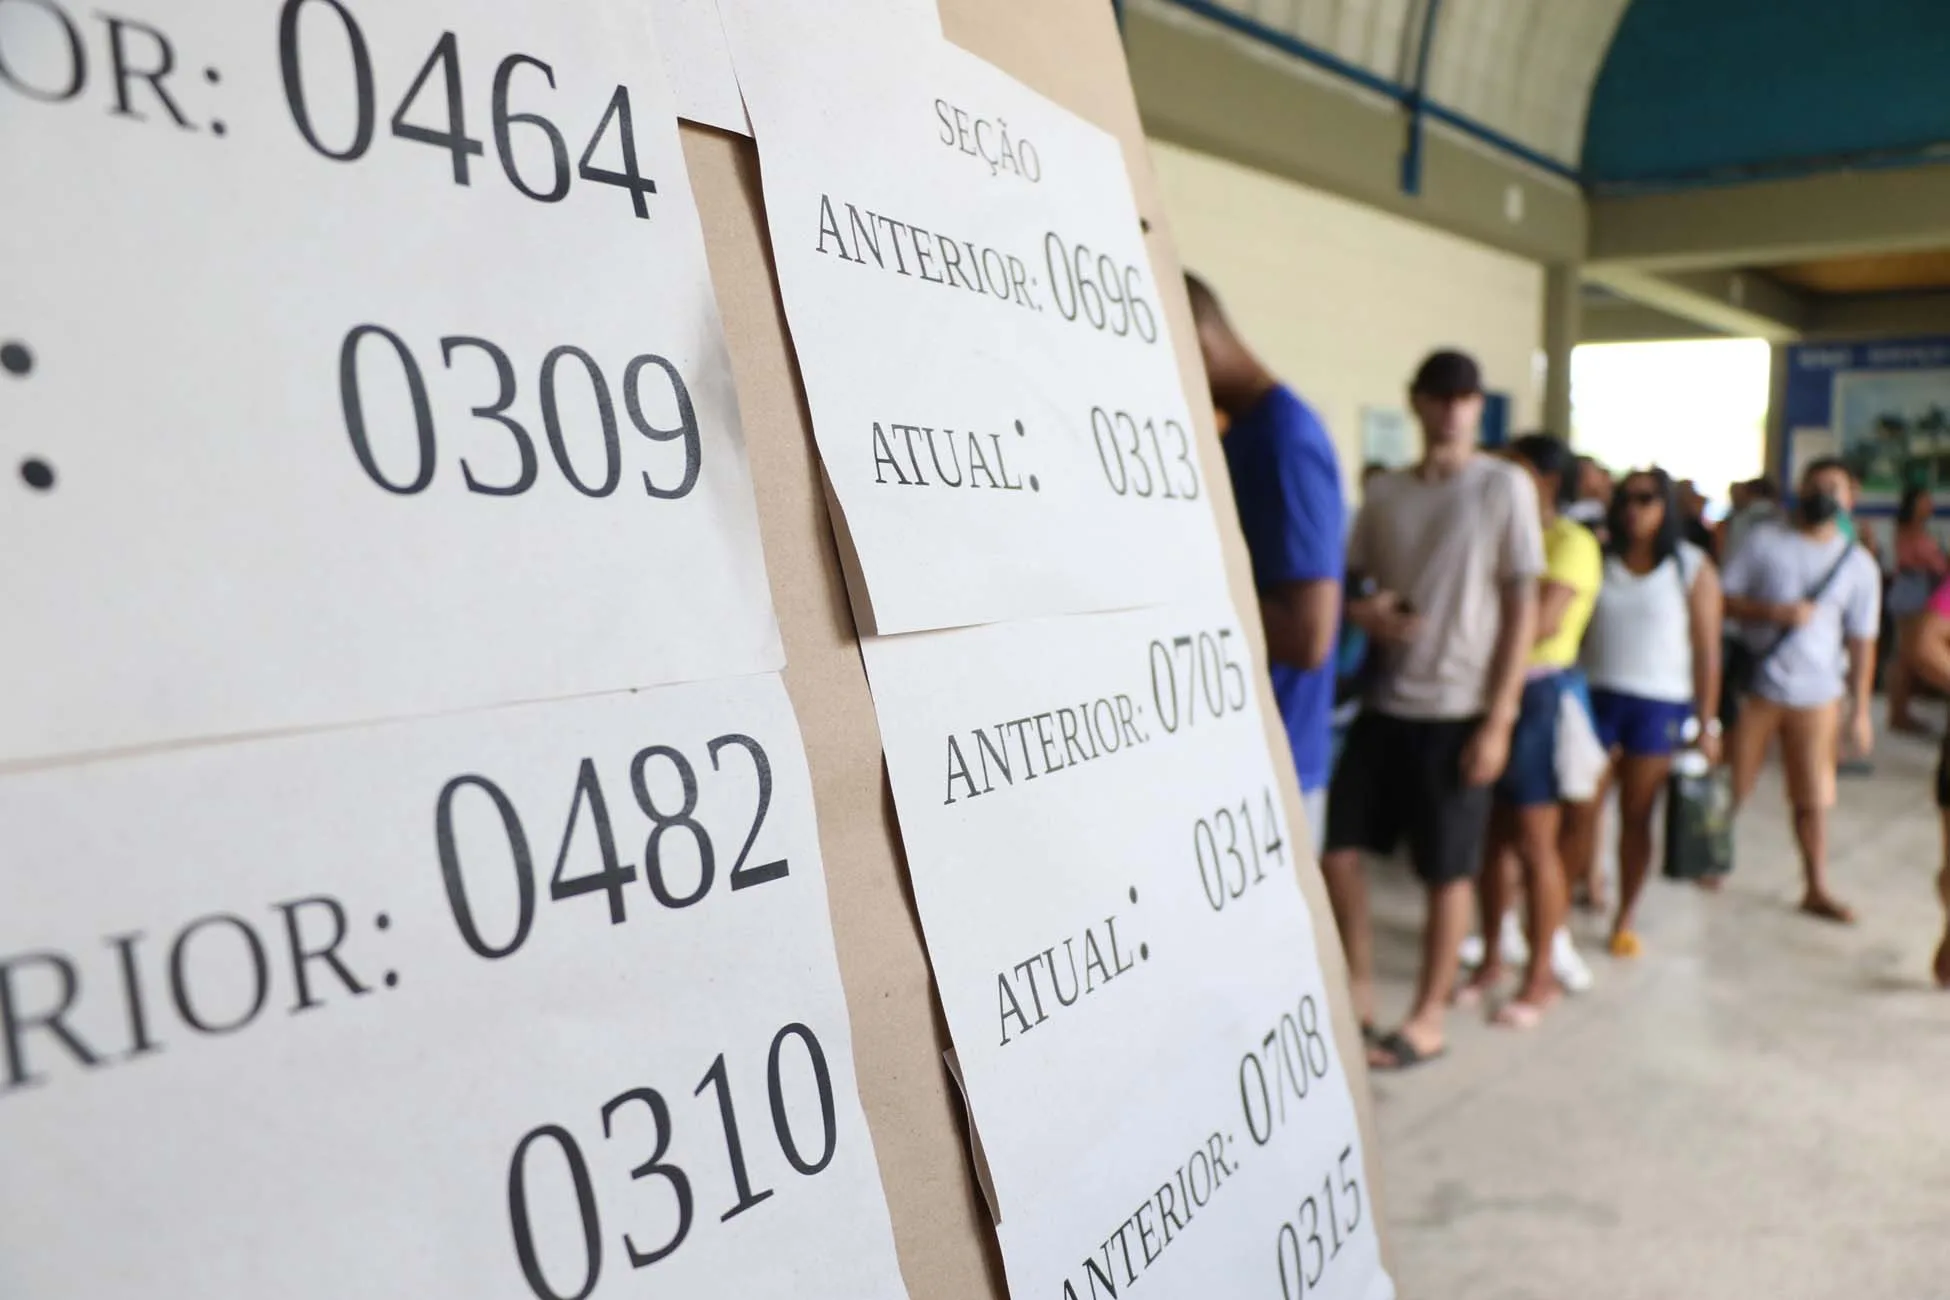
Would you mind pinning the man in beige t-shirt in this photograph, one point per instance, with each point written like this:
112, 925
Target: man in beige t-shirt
1448, 552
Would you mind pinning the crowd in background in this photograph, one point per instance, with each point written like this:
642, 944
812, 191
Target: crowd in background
1493, 643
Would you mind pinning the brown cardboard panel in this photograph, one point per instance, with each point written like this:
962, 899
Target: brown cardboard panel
1068, 50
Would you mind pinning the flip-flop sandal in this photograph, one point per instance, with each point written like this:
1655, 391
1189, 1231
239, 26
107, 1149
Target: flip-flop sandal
1370, 1036
1827, 909
1407, 1055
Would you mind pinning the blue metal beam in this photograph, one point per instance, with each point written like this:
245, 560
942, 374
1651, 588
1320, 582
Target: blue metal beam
1360, 76
1418, 103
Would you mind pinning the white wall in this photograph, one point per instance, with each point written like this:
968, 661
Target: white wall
1342, 300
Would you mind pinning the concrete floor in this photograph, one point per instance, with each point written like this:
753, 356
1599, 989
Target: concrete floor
1757, 1107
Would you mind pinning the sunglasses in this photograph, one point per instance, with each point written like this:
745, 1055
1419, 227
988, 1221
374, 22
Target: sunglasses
1642, 498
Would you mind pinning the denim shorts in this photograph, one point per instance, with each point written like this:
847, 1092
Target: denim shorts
1530, 777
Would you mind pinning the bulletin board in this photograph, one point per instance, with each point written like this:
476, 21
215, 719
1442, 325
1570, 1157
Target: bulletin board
398, 613
1070, 51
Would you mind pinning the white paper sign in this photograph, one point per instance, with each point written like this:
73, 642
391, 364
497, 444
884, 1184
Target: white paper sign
699, 64
339, 1015
353, 368
1105, 879
992, 385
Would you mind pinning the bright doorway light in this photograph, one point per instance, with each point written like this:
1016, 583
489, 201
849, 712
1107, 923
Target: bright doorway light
1697, 407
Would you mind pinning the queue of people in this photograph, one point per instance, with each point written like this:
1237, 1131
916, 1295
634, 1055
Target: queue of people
1538, 636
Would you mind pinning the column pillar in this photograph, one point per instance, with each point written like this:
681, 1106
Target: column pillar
1563, 321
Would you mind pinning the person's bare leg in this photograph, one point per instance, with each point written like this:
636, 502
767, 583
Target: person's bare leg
1640, 779
1811, 835
1810, 747
1941, 967
1543, 877
1347, 893
1493, 890
1442, 936
1899, 686
1578, 843
1747, 747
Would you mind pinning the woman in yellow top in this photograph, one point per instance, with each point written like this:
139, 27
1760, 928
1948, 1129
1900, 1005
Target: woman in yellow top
1525, 824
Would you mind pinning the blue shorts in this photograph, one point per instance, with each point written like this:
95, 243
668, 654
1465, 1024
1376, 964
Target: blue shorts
1642, 728
1530, 777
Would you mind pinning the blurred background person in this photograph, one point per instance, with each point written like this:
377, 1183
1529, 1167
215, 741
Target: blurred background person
1920, 568
1809, 598
1591, 496
1692, 516
1927, 658
1286, 483
1756, 501
1526, 819
1453, 550
1652, 656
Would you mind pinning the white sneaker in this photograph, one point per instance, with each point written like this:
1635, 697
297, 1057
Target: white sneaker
1511, 946
1567, 965
1510, 943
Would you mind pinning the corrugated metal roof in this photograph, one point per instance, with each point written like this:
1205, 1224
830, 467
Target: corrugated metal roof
1522, 68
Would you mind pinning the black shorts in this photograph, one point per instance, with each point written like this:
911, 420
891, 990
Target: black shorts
1943, 776
1402, 778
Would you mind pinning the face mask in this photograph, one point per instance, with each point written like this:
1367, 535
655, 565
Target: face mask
1820, 507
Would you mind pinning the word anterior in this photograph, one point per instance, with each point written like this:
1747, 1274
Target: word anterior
218, 977
142, 61
989, 140
1084, 285
870, 236
1166, 1211
1086, 966
958, 456
1063, 737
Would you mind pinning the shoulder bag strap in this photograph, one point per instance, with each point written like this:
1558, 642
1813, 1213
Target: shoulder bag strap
1821, 589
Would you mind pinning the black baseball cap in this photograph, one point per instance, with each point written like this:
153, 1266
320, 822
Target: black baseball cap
1448, 374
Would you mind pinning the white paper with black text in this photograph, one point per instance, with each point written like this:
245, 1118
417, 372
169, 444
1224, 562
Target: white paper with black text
992, 385
1105, 879
340, 1015
360, 360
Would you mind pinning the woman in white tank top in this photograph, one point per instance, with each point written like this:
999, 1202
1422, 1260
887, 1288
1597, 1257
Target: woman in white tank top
1652, 655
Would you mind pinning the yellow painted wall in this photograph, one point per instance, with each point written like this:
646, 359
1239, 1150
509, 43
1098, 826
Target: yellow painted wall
1343, 300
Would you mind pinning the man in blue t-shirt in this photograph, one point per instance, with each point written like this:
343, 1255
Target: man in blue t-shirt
1287, 482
